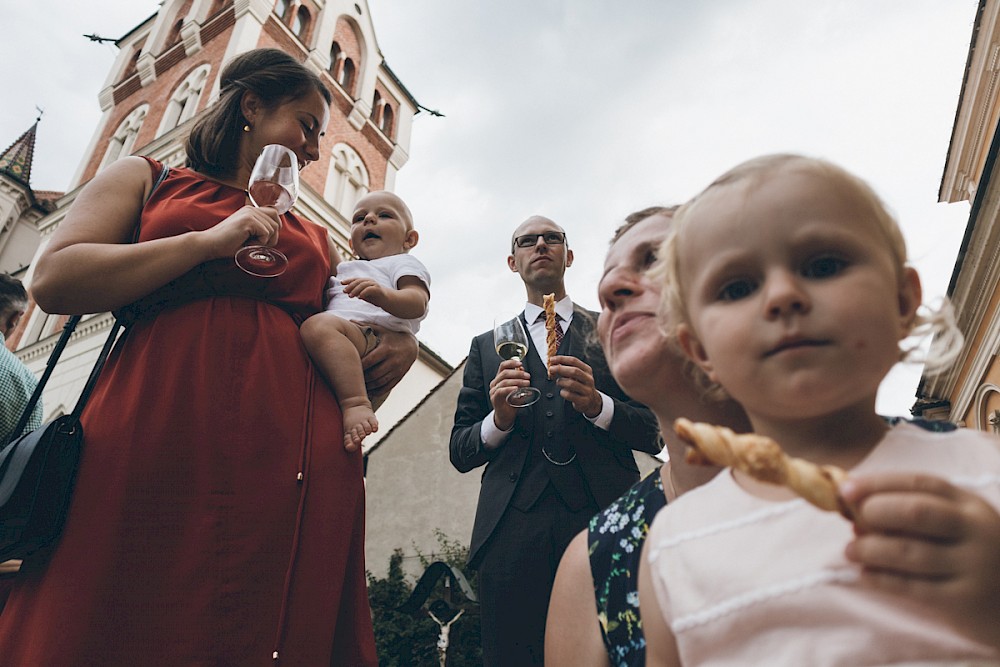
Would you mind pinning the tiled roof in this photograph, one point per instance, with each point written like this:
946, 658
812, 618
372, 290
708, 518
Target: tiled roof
15, 162
48, 195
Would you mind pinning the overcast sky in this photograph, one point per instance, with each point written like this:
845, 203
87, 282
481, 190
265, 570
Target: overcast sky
584, 111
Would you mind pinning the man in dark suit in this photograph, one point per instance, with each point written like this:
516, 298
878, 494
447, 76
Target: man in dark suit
549, 466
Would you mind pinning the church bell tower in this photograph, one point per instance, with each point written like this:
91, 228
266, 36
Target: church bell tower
21, 207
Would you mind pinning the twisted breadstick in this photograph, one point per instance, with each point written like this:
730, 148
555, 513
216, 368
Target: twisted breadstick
762, 458
549, 305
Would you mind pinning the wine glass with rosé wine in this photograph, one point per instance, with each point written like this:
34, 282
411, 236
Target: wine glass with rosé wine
511, 342
274, 182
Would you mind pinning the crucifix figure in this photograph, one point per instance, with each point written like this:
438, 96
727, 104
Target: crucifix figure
442, 644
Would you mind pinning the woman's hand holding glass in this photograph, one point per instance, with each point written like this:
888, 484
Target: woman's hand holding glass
230, 235
274, 183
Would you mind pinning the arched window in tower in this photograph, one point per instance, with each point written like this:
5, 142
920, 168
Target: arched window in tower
123, 140
377, 107
300, 24
994, 421
346, 79
336, 61
347, 181
184, 102
175, 34
132, 64
387, 117
281, 8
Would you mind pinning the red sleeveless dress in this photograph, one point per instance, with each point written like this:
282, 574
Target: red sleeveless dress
191, 539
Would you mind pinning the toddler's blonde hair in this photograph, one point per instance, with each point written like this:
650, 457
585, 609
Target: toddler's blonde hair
939, 322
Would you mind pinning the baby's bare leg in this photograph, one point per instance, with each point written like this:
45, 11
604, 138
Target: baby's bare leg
336, 346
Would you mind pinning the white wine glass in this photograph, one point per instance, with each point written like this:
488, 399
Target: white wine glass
274, 182
511, 342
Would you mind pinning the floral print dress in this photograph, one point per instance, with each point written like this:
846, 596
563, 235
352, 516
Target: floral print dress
615, 538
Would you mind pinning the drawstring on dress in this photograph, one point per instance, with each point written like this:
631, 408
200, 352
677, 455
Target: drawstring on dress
303, 482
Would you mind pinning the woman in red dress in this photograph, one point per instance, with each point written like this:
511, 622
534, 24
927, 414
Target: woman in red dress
217, 518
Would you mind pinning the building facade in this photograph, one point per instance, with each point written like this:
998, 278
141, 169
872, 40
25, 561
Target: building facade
969, 391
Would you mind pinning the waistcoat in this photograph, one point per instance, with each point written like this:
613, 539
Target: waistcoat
545, 425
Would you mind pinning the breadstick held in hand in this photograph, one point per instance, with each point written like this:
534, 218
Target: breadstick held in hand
549, 305
763, 459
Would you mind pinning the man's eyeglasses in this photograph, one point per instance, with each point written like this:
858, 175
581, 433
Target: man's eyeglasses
529, 240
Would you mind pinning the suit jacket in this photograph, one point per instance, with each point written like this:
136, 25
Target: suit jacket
604, 457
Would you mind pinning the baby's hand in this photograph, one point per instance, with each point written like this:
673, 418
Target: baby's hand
365, 289
921, 537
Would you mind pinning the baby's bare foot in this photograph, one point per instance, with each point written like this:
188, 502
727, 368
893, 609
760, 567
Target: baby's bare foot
359, 421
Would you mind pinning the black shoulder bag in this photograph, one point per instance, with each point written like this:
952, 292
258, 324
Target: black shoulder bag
37, 470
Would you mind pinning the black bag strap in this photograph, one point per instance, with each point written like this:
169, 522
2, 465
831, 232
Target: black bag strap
49, 366
164, 170
57, 351
67, 332
96, 371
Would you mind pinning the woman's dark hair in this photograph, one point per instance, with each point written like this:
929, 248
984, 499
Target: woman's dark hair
274, 76
12, 294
